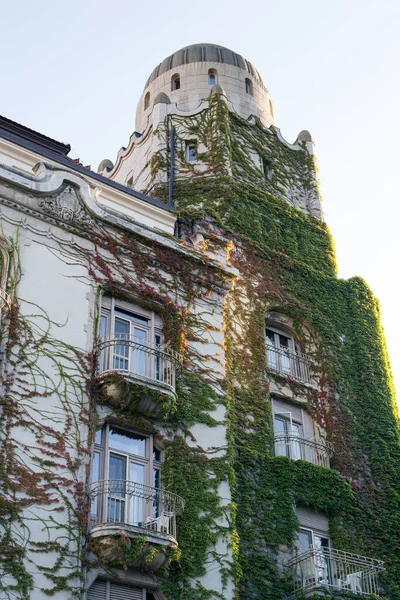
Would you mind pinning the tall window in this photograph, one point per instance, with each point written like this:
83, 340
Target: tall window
318, 569
266, 165
191, 151
146, 101
133, 337
175, 82
212, 76
287, 436
283, 355
249, 86
128, 461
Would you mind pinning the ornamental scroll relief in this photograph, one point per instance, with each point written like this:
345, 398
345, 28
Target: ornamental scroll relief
67, 207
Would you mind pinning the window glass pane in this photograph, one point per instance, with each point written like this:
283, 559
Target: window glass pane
117, 489
156, 478
136, 473
137, 502
281, 443
128, 442
212, 78
156, 484
323, 563
295, 447
192, 152
117, 467
121, 350
139, 354
280, 425
270, 336
156, 454
157, 358
131, 316
283, 341
95, 476
98, 437
103, 331
103, 327
304, 540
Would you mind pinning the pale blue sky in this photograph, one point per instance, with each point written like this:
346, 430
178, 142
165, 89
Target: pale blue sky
75, 71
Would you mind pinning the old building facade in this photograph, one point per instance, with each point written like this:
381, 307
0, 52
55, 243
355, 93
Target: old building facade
193, 405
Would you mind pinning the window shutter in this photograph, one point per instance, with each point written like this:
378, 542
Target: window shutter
124, 592
98, 590
106, 302
312, 519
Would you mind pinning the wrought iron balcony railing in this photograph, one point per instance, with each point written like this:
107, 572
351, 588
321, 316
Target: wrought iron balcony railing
140, 359
325, 568
298, 447
129, 504
293, 364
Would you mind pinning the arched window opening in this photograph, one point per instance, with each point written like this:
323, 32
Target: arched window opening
249, 86
147, 101
212, 76
175, 82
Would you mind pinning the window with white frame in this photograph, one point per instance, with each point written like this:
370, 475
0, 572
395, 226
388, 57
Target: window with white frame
313, 538
284, 356
296, 436
130, 462
131, 339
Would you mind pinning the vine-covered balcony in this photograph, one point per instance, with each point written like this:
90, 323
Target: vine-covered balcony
136, 510
139, 361
300, 447
290, 363
320, 569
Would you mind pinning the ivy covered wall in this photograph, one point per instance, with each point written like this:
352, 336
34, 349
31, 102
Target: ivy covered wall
245, 248
286, 262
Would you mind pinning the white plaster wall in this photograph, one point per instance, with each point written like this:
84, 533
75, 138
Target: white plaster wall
47, 282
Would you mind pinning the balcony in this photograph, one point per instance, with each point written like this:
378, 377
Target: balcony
136, 510
290, 363
321, 569
141, 362
298, 447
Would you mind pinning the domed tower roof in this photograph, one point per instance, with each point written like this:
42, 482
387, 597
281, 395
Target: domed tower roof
189, 75
197, 53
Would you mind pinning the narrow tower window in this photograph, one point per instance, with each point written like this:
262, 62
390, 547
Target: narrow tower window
146, 101
212, 76
266, 165
271, 108
249, 87
175, 82
191, 151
